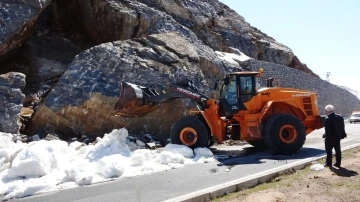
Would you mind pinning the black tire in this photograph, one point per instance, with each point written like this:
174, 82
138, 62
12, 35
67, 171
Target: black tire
211, 142
285, 134
190, 131
259, 144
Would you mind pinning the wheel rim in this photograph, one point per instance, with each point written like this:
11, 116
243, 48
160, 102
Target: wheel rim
188, 136
288, 134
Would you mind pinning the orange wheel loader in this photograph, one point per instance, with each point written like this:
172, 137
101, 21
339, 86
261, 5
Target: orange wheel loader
273, 117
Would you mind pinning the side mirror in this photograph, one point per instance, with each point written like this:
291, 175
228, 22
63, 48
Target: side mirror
270, 82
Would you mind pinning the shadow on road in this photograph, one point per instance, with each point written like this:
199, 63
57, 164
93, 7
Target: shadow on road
252, 155
343, 172
237, 157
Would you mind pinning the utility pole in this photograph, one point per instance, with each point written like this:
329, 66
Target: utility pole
328, 74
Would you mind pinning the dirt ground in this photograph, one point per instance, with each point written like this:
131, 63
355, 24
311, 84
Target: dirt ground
330, 184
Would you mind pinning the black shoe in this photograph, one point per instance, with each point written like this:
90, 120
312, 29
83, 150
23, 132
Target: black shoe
337, 165
327, 165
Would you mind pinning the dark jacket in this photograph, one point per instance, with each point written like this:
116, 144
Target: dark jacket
334, 126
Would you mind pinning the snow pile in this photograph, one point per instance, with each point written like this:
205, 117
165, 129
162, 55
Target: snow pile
8, 150
317, 167
39, 158
111, 166
42, 166
180, 149
202, 155
233, 58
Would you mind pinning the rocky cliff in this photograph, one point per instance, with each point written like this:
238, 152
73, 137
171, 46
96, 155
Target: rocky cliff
80, 50
18, 20
215, 24
11, 101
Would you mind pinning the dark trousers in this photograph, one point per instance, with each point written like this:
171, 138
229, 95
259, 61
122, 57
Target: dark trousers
331, 143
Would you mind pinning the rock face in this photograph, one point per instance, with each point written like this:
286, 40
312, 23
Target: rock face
218, 26
150, 43
83, 101
18, 20
45, 56
11, 101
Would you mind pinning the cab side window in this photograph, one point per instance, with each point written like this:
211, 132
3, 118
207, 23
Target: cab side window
246, 88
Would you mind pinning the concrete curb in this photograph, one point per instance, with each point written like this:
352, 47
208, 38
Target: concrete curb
249, 181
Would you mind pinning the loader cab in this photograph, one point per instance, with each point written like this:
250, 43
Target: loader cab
237, 89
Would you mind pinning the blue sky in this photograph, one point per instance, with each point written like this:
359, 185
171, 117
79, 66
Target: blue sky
324, 34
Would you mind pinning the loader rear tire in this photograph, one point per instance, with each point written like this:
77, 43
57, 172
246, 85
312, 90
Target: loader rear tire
190, 131
285, 134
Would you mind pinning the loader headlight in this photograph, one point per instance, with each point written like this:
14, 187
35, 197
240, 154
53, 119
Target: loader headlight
315, 102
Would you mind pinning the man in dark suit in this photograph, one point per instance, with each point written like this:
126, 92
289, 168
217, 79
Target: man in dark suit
334, 132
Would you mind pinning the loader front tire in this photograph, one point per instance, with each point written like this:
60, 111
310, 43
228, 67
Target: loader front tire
285, 134
190, 131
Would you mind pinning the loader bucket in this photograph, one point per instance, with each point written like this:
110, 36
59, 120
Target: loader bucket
134, 100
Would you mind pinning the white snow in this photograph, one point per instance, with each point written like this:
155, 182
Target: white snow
39, 158
111, 166
203, 152
233, 58
180, 149
317, 167
43, 166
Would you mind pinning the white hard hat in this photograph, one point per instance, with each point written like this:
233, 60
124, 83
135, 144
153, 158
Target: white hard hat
329, 108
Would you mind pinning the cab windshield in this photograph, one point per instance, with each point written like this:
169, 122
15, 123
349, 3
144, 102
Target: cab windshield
229, 90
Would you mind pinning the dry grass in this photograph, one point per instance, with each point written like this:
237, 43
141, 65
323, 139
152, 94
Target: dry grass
305, 185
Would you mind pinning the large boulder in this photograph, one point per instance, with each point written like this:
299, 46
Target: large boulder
221, 27
18, 20
83, 101
11, 101
214, 23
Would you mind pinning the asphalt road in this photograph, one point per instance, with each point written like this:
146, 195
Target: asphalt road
234, 162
